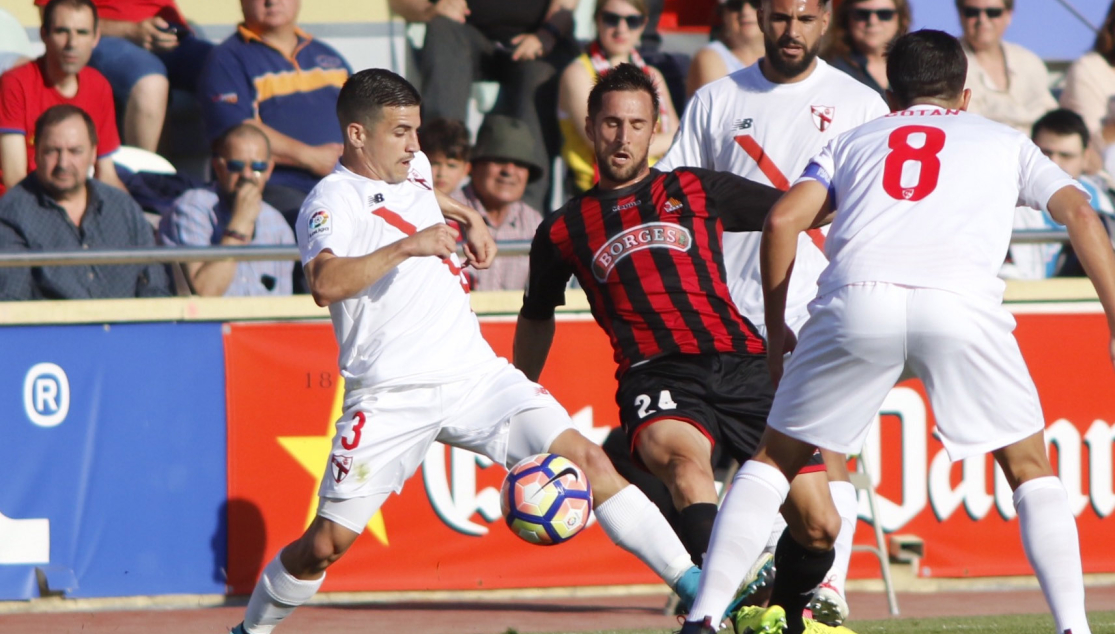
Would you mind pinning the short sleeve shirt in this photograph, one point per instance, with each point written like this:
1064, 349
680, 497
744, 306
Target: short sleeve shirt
926, 197
25, 95
414, 326
245, 78
199, 218
134, 10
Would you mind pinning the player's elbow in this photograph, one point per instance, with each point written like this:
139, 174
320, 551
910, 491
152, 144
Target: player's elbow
780, 222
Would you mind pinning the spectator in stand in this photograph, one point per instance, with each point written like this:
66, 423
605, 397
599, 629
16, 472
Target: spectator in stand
58, 208
862, 32
1062, 136
619, 25
61, 76
1009, 83
445, 143
146, 49
231, 212
738, 45
1089, 85
275, 76
503, 162
520, 44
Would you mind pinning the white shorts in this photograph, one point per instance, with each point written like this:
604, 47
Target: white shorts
383, 435
860, 338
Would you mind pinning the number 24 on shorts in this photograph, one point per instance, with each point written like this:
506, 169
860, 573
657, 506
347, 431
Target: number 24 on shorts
665, 401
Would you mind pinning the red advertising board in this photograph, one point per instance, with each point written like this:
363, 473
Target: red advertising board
444, 530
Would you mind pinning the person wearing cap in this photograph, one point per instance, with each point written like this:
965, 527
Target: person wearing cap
503, 164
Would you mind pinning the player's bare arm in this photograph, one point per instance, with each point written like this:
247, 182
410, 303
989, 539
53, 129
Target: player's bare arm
1070, 208
533, 338
805, 206
480, 246
333, 278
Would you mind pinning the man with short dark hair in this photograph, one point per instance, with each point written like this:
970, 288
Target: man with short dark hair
58, 208
646, 246
378, 253
232, 212
70, 31
921, 203
502, 164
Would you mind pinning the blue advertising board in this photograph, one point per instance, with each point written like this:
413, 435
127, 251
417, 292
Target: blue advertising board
112, 460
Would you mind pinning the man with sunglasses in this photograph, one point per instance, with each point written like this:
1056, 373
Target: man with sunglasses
232, 212
764, 123
1009, 83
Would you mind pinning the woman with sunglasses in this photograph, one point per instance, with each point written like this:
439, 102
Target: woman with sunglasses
1089, 88
862, 31
736, 44
619, 25
1009, 83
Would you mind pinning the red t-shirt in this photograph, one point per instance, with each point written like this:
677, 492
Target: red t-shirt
134, 10
24, 95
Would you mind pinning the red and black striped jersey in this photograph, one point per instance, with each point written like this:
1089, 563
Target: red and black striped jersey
650, 259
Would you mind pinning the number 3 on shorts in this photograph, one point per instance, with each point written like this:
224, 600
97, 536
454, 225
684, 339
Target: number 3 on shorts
356, 430
665, 401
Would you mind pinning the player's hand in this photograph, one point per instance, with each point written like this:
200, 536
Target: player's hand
152, 35
480, 246
456, 10
1111, 350
775, 360
439, 240
528, 46
789, 339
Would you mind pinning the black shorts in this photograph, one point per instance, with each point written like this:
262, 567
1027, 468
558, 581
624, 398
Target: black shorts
725, 396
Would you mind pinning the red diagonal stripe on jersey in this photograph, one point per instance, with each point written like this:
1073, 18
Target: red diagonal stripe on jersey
774, 175
395, 220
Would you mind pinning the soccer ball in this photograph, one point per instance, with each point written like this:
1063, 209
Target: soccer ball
546, 499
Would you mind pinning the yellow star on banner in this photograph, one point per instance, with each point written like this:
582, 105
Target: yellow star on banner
313, 451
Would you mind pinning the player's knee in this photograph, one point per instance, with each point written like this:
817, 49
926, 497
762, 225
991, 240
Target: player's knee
819, 531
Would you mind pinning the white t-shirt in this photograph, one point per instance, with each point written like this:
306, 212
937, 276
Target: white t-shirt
767, 132
415, 325
926, 198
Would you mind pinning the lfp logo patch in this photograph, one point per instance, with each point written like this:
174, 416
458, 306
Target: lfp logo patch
320, 223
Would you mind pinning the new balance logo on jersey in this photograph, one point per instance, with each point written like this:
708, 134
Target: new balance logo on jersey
742, 124
645, 236
340, 466
376, 199
822, 116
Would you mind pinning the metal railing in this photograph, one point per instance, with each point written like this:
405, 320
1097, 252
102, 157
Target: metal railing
255, 253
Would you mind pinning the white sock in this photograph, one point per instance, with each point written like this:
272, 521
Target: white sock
776, 531
636, 525
847, 506
1053, 547
741, 530
276, 595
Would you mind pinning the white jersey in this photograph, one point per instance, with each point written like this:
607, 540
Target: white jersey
767, 132
415, 325
926, 198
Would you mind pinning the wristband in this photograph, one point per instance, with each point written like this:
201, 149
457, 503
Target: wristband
236, 235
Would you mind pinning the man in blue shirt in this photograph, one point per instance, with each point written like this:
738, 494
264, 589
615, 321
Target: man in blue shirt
273, 75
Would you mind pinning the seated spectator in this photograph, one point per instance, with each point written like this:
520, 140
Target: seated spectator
146, 49
1009, 83
619, 23
520, 44
60, 76
274, 75
862, 31
58, 208
231, 212
738, 45
15, 47
445, 143
1062, 136
1089, 85
502, 165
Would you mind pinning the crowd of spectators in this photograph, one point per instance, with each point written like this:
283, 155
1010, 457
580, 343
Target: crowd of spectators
267, 97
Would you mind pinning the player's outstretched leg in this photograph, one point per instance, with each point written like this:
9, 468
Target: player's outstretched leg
294, 575
629, 518
1048, 527
743, 525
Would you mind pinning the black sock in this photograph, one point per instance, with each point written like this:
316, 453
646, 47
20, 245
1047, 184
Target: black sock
800, 570
696, 529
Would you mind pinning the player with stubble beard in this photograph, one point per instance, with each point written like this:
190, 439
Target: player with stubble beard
764, 123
